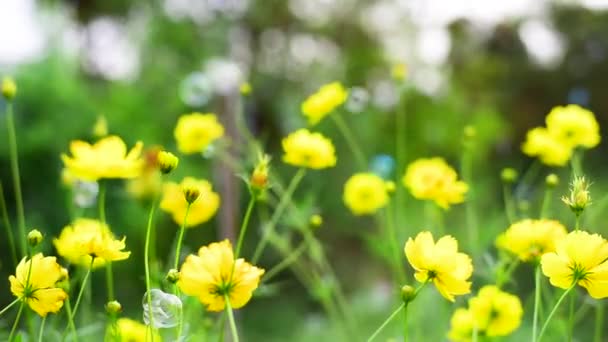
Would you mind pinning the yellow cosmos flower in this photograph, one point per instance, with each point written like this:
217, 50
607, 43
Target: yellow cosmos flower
440, 263
495, 313
107, 158
573, 125
461, 326
529, 239
133, 331
305, 149
201, 210
582, 258
365, 193
87, 238
318, 105
35, 281
213, 274
194, 132
547, 147
433, 179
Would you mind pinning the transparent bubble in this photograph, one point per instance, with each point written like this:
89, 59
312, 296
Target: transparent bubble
357, 100
196, 89
85, 193
166, 309
383, 165
210, 151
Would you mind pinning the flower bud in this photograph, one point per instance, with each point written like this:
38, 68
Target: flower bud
113, 307
172, 276
408, 293
316, 220
399, 71
245, 88
100, 129
469, 132
34, 238
579, 197
508, 175
191, 193
166, 161
9, 88
259, 176
552, 180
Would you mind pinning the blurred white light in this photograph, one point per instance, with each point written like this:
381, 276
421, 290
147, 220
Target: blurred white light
22, 37
542, 42
385, 95
314, 12
358, 99
433, 45
226, 75
428, 79
595, 4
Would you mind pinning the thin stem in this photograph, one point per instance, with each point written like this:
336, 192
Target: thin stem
544, 212
244, 226
537, 301
13, 150
571, 316
405, 325
7, 225
599, 321
10, 336
576, 162
554, 310
101, 201
110, 281
72, 326
9, 306
285, 199
235, 334
577, 224
467, 176
286, 262
392, 238
386, 322
400, 152
82, 287
41, 333
180, 238
507, 193
503, 277
350, 140
147, 265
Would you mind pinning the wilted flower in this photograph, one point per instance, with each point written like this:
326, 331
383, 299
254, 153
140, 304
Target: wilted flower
433, 179
365, 193
195, 131
318, 105
201, 210
311, 150
529, 239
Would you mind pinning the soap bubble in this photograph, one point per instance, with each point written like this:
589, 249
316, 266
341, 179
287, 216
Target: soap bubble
383, 165
85, 193
166, 309
196, 89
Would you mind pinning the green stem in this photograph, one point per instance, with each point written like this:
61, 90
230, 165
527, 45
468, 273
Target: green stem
577, 224
392, 238
9, 306
599, 321
400, 153
554, 310
571, 316
537, 301
235, 334
350, 140
467, 176
16, 323
405, 325
285, 199
544, 212
7, 226
503, 277
286, 262
180, 238
72, 313
147, 266
244, 226
110, 280
101, 201
41, 333
12, 145
576, 163
386, 322
509, 203
72, 326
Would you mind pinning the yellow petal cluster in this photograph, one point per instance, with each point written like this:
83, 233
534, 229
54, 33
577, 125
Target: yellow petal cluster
529, 239
201, 210
318, 105
35, 281
568, 127
365, 193
195, 131
107, 158
306, 149
579, 257
133, 331
433, 179
440, 263
461, 326
213, 274
88, 238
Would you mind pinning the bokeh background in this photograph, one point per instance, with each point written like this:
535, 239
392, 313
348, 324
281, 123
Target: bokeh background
499, 66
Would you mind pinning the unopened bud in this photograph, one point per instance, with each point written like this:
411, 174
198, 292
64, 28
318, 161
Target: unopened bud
9, 88
34, 237
408, 293
191, 193
579, 197
100, 129
166, 161
245, 88
113, 307
508, 175
259, 176
172, 276
399, 71
469, 132
316, 220
552, 180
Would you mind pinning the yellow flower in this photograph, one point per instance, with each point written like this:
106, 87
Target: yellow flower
440, 263
461, 326
495, 313
573, 125
365, 193
213, 274
194, 132
133, 331
433, 179
35, 281
549, 149
582, 258
529, 239
201, 210
107, 158
305, 149
324, 101
87, 238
